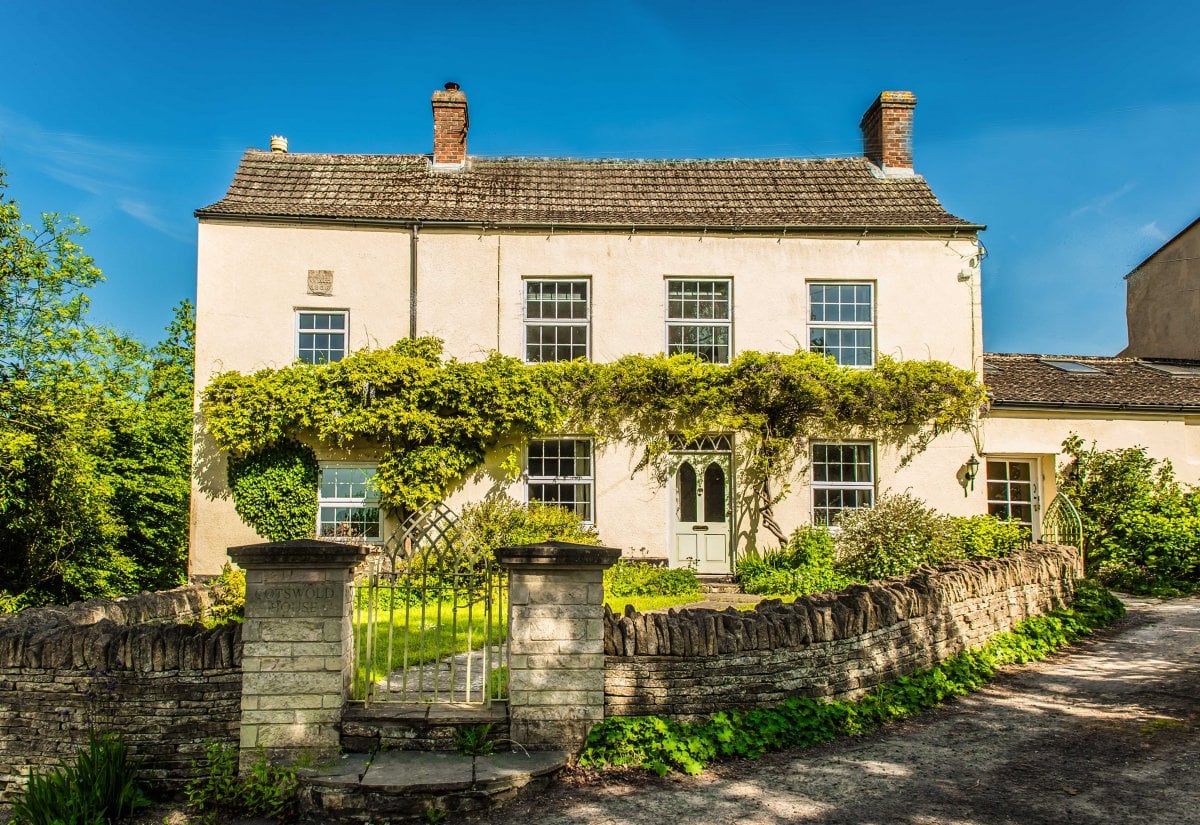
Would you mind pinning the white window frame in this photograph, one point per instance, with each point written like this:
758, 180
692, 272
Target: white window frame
370, 500
711, 323
1034, 483
299, 330
841, 325
587, 480
857, 486
573, 323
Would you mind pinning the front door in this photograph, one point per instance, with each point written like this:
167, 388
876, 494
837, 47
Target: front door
701, 512
1012, 490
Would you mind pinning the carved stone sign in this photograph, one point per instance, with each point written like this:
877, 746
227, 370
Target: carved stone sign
290, 601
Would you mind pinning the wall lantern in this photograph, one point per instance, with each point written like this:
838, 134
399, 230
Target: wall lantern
969, 471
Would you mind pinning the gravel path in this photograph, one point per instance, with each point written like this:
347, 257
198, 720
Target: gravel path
1107, 732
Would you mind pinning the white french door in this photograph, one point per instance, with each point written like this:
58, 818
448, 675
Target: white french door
1013, 494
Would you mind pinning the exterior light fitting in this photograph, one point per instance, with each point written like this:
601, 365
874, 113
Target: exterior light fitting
969, 471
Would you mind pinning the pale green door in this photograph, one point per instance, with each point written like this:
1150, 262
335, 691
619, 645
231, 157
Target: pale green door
700, 513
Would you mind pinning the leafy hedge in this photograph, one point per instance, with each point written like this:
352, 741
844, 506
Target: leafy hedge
663, 745
891, 539
804, 565
1141, 526
626, 579
501, 521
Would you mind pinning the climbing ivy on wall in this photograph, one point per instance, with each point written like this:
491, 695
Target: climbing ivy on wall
275, 490
432, 420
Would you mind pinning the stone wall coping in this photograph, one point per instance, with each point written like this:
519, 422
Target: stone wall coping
299, 553
560, 554
186, 603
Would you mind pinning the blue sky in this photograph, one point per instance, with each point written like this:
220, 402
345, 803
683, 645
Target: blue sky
1070, 129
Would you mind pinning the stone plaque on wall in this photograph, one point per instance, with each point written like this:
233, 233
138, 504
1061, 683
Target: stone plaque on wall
320, 282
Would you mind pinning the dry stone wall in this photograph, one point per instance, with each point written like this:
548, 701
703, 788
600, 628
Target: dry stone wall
123, 665
183, 604
687, 663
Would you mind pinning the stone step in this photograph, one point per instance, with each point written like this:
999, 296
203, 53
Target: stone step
718, 584
403, 786
418, 727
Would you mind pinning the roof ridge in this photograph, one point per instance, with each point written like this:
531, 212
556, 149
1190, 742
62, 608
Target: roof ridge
832, 159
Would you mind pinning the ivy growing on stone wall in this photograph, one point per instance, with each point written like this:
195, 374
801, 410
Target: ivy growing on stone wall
432, 420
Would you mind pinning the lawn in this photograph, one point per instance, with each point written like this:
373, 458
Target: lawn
411, 635
643, 603
421, 634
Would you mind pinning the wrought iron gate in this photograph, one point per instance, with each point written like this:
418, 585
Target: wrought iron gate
430, 617
1061, 525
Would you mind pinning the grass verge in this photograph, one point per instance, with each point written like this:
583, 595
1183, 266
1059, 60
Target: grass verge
663, 745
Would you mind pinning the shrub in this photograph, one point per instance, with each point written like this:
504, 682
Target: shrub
500, 521
275, 491
984, 537
229, 593
625, 579
456, 566
893, 538
804, 565
1141, 527
99, 786
265, 790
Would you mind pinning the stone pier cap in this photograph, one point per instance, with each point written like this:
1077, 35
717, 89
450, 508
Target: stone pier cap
557, 554
299, 553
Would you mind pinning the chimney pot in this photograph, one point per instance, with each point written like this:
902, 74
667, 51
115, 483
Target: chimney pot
450, 125
887, 132
279, 144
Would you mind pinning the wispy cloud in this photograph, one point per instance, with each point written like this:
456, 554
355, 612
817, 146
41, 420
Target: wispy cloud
1098, 203
105, 170
151, 217
1152, 232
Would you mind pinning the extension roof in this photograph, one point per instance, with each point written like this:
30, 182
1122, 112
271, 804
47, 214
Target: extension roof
836, 192
1027, 381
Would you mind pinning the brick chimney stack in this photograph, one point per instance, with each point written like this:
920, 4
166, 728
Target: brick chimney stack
450, 124
887, 132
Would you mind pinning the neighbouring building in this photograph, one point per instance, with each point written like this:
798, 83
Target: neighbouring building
1162, 300
1038, 401
311, 256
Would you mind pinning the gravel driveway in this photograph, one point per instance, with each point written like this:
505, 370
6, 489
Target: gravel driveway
1107, 732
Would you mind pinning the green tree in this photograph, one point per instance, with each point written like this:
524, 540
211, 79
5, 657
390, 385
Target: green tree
152, 452
92, 429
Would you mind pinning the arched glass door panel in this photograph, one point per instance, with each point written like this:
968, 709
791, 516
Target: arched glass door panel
714, 492
686, 493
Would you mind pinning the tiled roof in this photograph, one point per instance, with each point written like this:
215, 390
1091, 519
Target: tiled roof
537, 191
1028, 381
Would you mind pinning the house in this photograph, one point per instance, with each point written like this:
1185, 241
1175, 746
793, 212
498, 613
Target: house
311, 256
1038, 401
1162, 300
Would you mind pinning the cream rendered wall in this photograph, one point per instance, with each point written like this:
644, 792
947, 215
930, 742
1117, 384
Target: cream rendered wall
470, 289
1036, 433
923, 311
251, 279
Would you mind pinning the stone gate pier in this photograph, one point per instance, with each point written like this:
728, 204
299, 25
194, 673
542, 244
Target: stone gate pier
555, 641
297, 654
